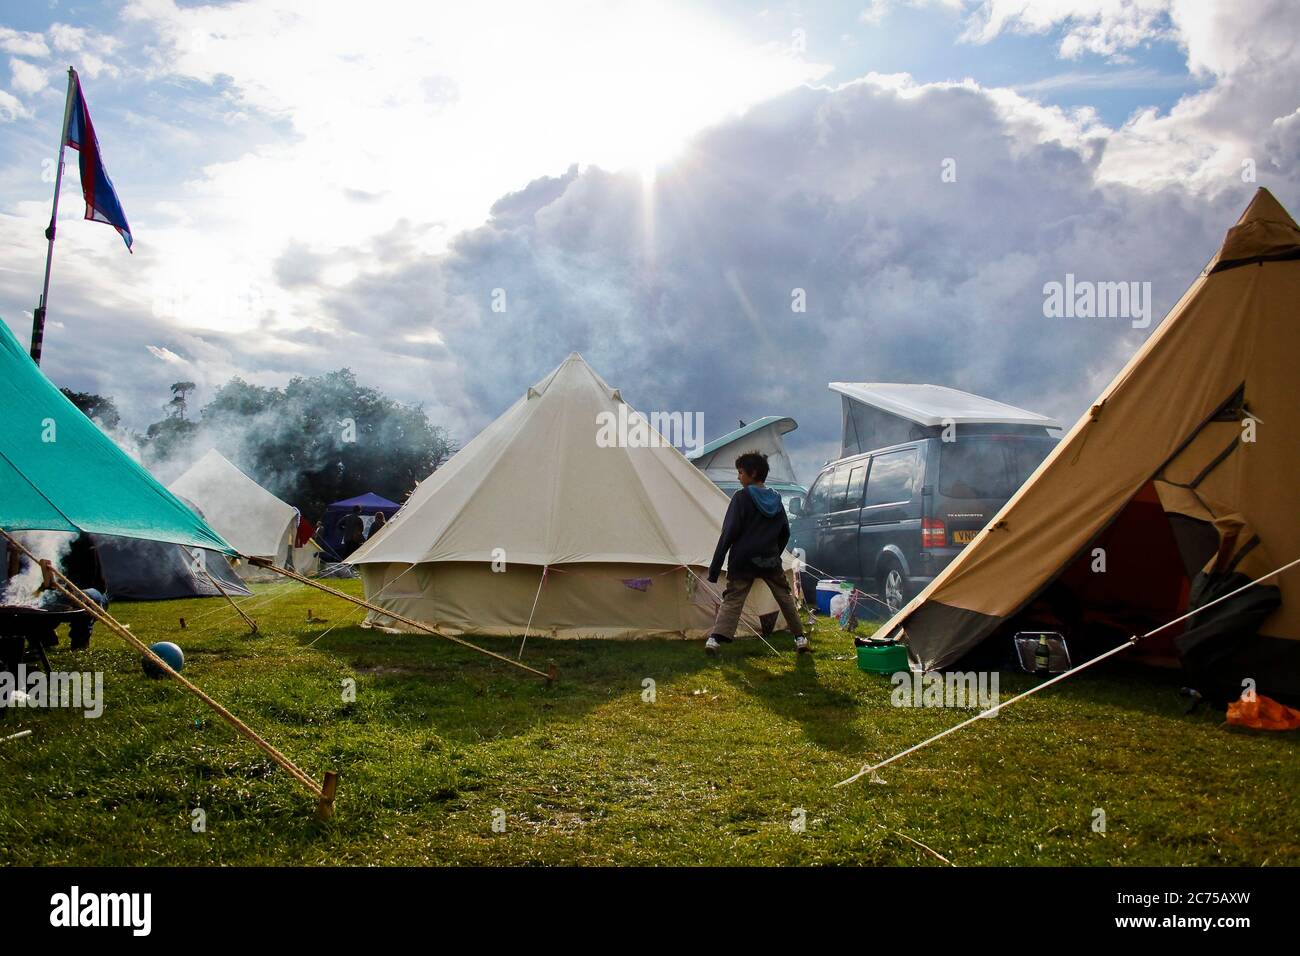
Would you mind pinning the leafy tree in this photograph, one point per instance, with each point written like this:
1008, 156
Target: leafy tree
317, 440
179, 392
325, 437
167, 439
96, 407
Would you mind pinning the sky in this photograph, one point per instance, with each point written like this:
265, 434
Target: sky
722, 205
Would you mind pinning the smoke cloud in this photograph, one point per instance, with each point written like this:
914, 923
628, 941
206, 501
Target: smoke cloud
24, 587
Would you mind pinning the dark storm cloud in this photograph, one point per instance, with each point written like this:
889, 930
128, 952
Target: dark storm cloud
681, 293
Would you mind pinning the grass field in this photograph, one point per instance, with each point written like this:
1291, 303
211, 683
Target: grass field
440, 741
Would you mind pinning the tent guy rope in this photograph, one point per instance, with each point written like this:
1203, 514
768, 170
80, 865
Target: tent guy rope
869, 769
717, 599
358, 620
536, 597
250, 603
323, 793
252, 625
549, 676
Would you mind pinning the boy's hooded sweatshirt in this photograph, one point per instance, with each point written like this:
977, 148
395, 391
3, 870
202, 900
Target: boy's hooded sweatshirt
755, 531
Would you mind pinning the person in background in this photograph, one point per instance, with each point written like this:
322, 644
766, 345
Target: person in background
353, 530
83, 569
755, 532
377, 525
81, 566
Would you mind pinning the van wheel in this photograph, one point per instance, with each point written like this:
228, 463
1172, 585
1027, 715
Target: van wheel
892, 586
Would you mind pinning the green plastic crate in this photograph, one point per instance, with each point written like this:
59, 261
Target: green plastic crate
885, 659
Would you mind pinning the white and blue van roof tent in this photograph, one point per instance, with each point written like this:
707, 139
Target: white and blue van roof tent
717, 458
933, 405
879, 414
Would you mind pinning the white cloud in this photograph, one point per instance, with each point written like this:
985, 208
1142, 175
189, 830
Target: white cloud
1252, 53
94, 51
1248, 52
67, 38
26, 77
428, 124
1102, 27
22, 44
874, 13
11, 108
166, 355
1128, 79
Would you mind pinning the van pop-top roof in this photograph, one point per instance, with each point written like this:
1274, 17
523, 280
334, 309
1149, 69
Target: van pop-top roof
880, 414
933, 405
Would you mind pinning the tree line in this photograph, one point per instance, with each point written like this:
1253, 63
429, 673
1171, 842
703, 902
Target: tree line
318, 439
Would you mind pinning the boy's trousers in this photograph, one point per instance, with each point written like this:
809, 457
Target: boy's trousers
733, 602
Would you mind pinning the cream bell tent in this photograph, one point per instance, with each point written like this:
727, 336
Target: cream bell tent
595, 525
254, 521
1178, 485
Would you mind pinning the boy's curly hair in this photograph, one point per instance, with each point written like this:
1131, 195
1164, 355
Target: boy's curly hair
754, 464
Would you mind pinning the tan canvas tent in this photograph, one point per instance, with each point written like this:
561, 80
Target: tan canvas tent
1179, 483
568, 511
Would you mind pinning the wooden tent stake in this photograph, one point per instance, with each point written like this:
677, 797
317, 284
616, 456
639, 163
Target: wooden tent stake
78, 597
252, 625
550, 678
325, 805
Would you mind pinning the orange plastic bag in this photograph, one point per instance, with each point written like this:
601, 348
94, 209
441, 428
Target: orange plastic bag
1262, 713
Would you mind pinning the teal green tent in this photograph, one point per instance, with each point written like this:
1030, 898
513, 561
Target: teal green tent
59, 472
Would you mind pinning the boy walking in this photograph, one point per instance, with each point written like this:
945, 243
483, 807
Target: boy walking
755, 531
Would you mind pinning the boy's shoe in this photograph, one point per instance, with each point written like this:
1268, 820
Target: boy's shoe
715, 642
801, 645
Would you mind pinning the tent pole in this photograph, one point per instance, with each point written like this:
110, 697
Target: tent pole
38, 316
550, 678
868, 769
78, 597
252, 625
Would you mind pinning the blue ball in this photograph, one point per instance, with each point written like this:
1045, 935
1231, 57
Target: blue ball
170, 653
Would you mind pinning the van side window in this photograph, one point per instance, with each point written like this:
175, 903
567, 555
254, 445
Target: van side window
892, 477
839, 485
857, 478
818, 502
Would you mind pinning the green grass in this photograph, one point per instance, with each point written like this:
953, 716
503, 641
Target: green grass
586, 772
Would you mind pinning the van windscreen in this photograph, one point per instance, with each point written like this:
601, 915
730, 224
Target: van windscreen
989, 467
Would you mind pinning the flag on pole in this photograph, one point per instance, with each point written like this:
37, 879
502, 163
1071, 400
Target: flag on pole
102, 204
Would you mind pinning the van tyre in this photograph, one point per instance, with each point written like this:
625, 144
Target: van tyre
893, 586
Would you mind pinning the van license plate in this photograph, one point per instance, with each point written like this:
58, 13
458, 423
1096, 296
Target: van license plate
963, 537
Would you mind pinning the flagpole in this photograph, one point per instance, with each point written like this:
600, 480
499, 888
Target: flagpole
38, 316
